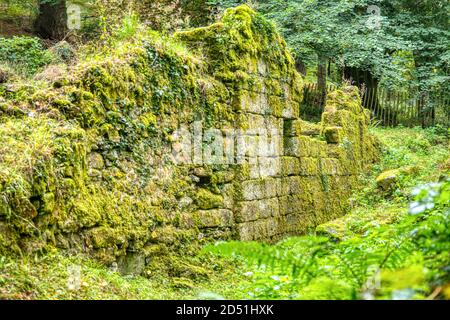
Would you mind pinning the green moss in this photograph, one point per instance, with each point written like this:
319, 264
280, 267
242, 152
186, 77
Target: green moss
411, 278
99, 167
49, 202
242, 48
344, 114
333, 134
205, 199
389, 179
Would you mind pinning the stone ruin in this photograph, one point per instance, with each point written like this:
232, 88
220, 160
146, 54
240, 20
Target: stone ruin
109, 182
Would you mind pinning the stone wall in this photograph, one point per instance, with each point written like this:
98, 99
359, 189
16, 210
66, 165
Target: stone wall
291, 175
295, 175
103, 173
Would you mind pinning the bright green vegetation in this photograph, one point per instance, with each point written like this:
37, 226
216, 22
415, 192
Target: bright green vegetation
26, 54
18, 9
411, 249
84, 137
49, 277
400, 42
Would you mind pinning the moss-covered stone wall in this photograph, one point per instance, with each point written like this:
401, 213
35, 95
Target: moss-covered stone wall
88, 164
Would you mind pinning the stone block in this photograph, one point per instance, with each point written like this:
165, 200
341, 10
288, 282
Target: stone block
228, 196
205, 199
295, 203
295, 185
257, 230
329, 166
291, 110
271, 187
214, 218
297, 146
290, 166
269, 167
252, 190
246, 171
255, 103
274, 125
310, 129
255, 210
333, 135
253, 123
284, 187
309, 166
270, 146
294, 223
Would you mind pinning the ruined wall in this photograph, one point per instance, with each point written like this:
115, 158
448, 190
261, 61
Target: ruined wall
290, 175
159, 146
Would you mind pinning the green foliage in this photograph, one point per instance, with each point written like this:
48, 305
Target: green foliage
48, 277
432, 203
17, 9
25, 54
306, 267
424, 150
129, 27
408, 44
302, 261
408, 255
425, 26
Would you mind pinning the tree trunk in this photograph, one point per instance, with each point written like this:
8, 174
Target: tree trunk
52, 20
301, 67
322, 80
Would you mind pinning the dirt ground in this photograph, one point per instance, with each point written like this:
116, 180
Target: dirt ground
9, 28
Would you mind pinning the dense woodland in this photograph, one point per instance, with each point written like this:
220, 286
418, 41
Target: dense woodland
392, 243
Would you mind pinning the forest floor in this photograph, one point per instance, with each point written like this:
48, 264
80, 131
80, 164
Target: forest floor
334, 262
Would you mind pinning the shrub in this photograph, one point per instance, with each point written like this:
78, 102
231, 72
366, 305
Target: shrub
26, 54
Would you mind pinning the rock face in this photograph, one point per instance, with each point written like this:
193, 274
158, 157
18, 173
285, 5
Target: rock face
160, 147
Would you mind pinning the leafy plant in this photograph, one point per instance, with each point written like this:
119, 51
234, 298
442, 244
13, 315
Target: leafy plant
26, 54
317, 267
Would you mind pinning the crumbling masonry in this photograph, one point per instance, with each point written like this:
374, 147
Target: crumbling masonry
104, 180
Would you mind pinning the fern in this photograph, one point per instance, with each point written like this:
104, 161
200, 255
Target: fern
350, 263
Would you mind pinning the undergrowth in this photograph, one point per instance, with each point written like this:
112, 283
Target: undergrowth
383, 249
386, 248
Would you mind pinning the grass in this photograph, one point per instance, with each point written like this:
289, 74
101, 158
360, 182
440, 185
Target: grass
54, 276
338, 270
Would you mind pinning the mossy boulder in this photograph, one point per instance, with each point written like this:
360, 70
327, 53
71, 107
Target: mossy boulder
388, 180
